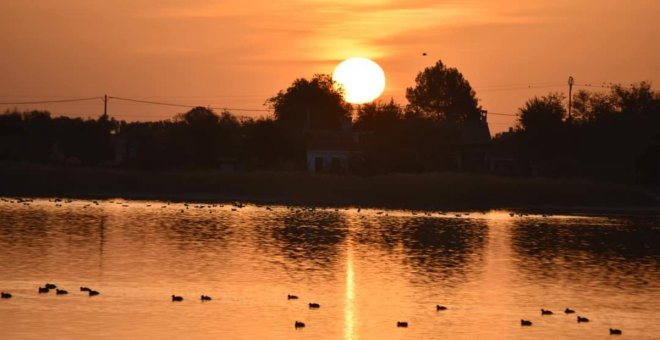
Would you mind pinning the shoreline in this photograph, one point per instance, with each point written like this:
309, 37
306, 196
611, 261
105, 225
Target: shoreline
554, 210
424, 192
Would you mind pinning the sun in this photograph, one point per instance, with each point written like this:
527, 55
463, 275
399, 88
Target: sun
361, 78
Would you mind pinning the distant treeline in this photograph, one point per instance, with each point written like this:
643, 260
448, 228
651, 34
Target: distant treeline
613, 136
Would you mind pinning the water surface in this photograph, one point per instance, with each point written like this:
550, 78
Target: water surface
366, 269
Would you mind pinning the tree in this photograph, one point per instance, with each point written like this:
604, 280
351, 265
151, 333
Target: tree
198, 117
442, 93
589, 107
542, 114
541, 123
315, 103
377, 116
198, 130
640, 99
637, 100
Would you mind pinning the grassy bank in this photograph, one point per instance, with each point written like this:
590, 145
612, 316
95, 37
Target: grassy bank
410, 191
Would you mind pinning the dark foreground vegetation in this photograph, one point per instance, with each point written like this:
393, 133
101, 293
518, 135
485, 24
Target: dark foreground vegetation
434, 191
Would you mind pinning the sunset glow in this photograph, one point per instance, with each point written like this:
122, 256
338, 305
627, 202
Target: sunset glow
204, 52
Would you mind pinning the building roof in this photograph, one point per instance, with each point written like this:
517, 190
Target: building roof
473, 133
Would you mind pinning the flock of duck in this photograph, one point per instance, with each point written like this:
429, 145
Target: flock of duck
312, 305
580, 319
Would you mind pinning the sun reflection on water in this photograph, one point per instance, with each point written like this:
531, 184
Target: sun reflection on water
349, 305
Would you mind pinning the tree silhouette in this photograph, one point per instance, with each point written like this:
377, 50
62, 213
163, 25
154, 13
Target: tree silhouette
442, 93
200, 130
377, 116
542, 114
315, 103
592, 106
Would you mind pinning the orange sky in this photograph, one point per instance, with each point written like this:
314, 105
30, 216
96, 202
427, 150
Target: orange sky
236, 54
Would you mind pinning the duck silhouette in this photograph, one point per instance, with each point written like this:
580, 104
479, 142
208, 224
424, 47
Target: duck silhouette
43, 290
582, 319
4, 295
299, 324
291, 297
403, 324
61, 292
50, 286
615, 331
546, 312
177, 298
439, 308
568, 311
205, 298
314, 305
84, 289
93, 292
525, 322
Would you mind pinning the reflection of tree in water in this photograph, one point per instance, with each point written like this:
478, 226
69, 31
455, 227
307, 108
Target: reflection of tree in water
443, 248
435, 248
312, 238
196, 231
612, 251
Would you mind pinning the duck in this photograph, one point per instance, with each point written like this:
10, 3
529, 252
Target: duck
402, 324
177, 298
615, 331
439, 308
525, 322
546, 312
291, 297
50, 286
43, 290
205, 298
582, 319
4, 295
568, 311
84, 289
299, 324
61, 292
313, 305
93, 292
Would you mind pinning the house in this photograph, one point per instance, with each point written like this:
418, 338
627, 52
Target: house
330, 150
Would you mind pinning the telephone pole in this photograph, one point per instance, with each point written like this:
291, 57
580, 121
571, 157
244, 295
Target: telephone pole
570, 96
105, 105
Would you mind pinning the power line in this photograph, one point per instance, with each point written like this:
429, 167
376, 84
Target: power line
52, 101
519, 85
502, 114
184, 105
529, 87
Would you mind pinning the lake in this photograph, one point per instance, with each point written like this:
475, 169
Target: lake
367, 269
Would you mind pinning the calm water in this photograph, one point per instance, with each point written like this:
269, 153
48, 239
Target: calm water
367, 270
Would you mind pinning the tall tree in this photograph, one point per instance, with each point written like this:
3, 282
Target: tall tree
314, 103
542, 114
441, 92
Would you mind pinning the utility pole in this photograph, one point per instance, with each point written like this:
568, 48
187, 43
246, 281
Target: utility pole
570, 97
105, 105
